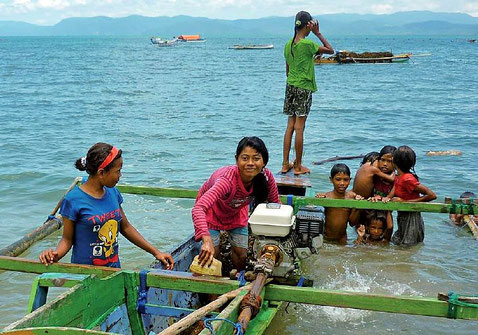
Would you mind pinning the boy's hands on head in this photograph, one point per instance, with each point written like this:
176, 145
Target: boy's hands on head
48, 256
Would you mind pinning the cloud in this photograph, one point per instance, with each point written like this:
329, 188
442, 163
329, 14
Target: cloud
54, 10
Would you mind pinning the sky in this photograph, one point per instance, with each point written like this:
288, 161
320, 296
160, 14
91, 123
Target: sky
50, 12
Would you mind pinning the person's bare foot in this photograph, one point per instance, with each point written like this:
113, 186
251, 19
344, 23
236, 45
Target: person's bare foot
286, 167
300, 169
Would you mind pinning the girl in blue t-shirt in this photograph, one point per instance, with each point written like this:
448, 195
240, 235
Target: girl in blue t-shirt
92, 215
299, 53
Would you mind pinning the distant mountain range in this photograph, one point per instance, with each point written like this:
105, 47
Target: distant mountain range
402, 23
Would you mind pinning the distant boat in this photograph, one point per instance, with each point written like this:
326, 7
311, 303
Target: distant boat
190, 38
163, 43
346, 57
252, 46
472, 41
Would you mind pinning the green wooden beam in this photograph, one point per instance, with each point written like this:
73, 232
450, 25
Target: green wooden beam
373, 302
302, 201
55, 331
30, 266
158, 191
183, 281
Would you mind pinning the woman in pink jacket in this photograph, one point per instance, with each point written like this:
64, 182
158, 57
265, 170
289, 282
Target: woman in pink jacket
223, 201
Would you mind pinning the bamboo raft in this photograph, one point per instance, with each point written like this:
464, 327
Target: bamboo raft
102, 300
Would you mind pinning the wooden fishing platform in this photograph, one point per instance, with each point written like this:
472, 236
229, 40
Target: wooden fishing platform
289, 183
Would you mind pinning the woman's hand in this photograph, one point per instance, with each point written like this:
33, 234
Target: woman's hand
166, 259
48, 256
398, 199
206, 255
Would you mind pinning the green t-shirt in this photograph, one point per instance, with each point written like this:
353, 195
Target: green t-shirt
301, 65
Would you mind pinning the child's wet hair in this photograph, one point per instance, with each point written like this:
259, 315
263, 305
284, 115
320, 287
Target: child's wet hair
405, 158
467, 194
388, 149
370, 158
339, 168
260, 182
95, 156
379, 216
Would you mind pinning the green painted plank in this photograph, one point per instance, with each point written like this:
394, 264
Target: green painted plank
158, 191
259, 324
310, 200
30, 266
132, 283
374, 302
80, 306
183, 281
55, 331
230, 312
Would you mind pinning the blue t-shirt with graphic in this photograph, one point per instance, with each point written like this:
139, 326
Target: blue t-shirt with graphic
97, 223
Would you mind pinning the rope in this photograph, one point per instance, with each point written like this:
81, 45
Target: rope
454, 302
142, 292
208, 325
241, 278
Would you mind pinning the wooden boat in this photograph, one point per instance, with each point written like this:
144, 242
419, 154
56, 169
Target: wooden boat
163, 43
103, 300
252, 46
345, 57
191, 38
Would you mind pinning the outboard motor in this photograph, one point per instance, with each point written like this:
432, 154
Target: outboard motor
295, 236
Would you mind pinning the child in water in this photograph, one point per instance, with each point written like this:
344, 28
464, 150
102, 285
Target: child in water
374, 230
336, 218
223, 201
458, 219
92, 215
411, 229
299, 53
364, 178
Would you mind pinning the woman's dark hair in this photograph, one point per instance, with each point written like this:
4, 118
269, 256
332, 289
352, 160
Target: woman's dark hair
377, 215
405, 158
388, 149
260, 182
95, 156
370, 158
339, 168
301, 20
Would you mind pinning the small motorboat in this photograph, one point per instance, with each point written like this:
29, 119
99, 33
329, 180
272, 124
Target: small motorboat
252, 46
163, 43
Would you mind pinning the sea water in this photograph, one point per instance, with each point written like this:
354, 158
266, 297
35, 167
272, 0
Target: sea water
177, 113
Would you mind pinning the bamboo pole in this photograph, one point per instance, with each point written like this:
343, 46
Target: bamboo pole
471, 224
49, 227
197, 315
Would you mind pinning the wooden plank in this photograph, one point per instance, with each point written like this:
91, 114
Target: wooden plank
468, 219
158, 191
303, 201
389, 206
259, 324
230, 312
131, 285
54, 331
373, 302
79, 306
30, 266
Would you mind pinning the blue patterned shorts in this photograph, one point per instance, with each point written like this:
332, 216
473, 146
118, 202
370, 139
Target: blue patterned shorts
237, 236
